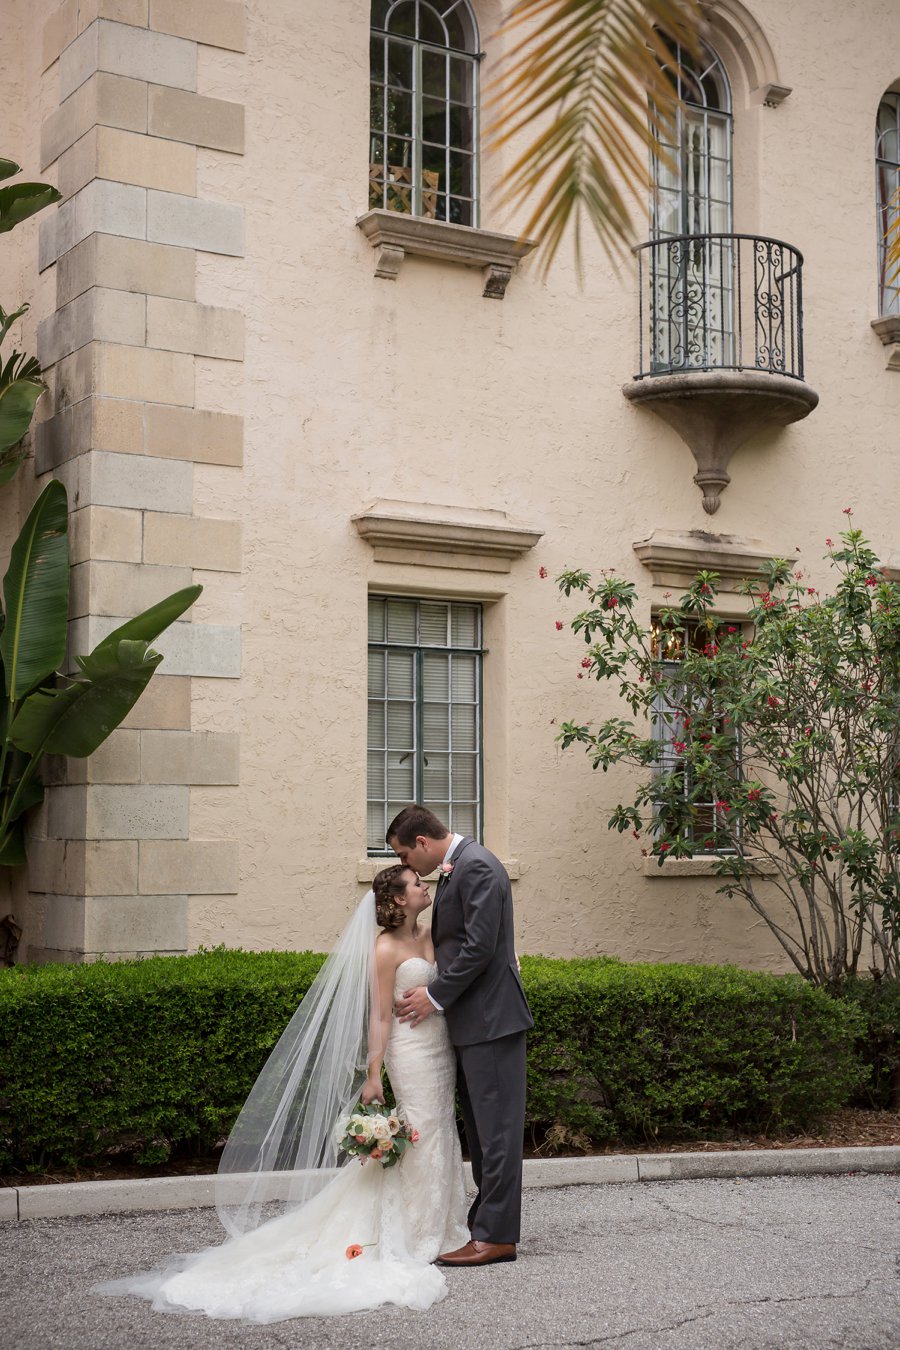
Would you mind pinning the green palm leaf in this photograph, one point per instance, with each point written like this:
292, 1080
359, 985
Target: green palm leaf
22, 200
8, 168
589, 75
892, 239
17, 403
76, 719
148, 625
36, 591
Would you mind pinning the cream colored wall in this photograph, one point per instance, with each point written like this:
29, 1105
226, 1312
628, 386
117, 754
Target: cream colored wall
355, 388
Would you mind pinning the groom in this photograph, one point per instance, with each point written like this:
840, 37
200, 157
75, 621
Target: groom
479, 991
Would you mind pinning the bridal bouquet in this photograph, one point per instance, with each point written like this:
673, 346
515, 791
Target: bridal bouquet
368, 1133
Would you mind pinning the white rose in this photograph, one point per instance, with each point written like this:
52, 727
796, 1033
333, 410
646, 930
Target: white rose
380, 1128
366, 1128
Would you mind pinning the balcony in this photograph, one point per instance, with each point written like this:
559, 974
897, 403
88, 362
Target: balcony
721, 344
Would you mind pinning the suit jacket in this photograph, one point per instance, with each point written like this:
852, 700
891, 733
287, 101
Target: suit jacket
478, 985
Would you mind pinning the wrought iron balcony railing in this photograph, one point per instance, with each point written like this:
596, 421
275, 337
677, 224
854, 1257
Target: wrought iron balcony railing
720, 302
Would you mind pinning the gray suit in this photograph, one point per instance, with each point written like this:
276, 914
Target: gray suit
479, 989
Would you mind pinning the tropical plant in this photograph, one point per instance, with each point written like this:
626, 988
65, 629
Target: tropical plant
42, 710
771, 748
596, 78
20, 375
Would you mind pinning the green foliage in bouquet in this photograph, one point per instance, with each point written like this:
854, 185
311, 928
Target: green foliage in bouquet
372, 1132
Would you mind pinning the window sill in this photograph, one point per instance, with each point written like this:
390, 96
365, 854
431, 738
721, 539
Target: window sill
700, 867
366, 869
393, 235
674, 557
888, 329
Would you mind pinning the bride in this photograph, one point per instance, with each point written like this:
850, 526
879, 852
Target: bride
295, 1216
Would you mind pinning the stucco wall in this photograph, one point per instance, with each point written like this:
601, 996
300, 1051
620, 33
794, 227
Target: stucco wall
355, 388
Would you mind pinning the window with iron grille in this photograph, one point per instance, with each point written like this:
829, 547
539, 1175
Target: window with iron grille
887, 170
424, 109
707, 830
425, 713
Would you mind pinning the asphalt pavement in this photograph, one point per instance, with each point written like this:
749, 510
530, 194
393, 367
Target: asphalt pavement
797, 1263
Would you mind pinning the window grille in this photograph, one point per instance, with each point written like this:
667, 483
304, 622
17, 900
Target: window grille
692, 195
887, 172
424, 109
425, 713
708, 830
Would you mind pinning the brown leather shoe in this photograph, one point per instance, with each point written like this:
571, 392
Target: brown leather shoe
476, 1253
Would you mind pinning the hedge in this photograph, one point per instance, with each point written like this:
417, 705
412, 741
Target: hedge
144, 1057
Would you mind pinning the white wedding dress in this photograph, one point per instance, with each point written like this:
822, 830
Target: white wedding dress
403, 1216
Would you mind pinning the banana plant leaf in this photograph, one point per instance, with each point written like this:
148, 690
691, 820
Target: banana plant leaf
36, 591
8, 168
153, 621
22, 200
7, 320
12, 843
17, 402
76, 719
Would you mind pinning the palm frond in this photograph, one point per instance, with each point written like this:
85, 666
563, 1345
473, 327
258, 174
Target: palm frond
892, 239
588, 74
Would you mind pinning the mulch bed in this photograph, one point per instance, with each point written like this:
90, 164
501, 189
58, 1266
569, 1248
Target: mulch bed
850, 1128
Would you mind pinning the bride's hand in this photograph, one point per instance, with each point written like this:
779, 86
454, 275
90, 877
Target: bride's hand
372, 1091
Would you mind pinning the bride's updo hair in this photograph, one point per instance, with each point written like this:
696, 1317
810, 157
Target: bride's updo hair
388, 884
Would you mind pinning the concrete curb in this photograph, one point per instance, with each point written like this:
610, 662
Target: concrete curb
69, 1199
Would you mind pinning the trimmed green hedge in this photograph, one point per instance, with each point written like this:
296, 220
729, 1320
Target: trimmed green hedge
646, 1052
144, 1056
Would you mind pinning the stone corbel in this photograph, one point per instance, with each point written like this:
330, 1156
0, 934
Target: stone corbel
772, 95
393, 235
888, 329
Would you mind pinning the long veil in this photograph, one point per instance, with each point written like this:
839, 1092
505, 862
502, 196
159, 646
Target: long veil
283, 1147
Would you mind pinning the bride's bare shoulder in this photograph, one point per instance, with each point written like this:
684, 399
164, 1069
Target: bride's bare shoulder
388, 954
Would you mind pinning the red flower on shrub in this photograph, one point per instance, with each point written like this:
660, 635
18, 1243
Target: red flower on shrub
773, 702
559, 625
848, 511
871, 581
586, 663
679, 747
542, 572
611, 602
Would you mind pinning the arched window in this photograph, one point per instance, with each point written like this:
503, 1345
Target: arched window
692, 194
692, 281
423, 127
887, 172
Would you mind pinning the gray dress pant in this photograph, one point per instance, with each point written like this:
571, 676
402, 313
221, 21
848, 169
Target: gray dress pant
491, 1083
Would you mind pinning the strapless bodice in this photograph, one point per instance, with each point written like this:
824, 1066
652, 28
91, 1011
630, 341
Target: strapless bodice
415, 970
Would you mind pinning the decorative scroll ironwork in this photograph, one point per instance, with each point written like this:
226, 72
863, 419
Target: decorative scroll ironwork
720, 302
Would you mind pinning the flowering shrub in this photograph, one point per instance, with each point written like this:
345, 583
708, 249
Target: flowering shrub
776, 750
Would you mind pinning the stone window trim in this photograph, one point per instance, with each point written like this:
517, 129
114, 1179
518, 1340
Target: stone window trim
394, 235
444, 536
673, 868
674, 557
367, 867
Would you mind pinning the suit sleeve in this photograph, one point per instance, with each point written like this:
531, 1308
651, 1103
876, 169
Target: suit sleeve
482, 906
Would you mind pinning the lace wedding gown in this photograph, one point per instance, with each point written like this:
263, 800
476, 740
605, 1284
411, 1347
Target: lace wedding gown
403, 1216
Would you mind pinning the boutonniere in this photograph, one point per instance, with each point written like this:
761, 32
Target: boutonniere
446, 869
